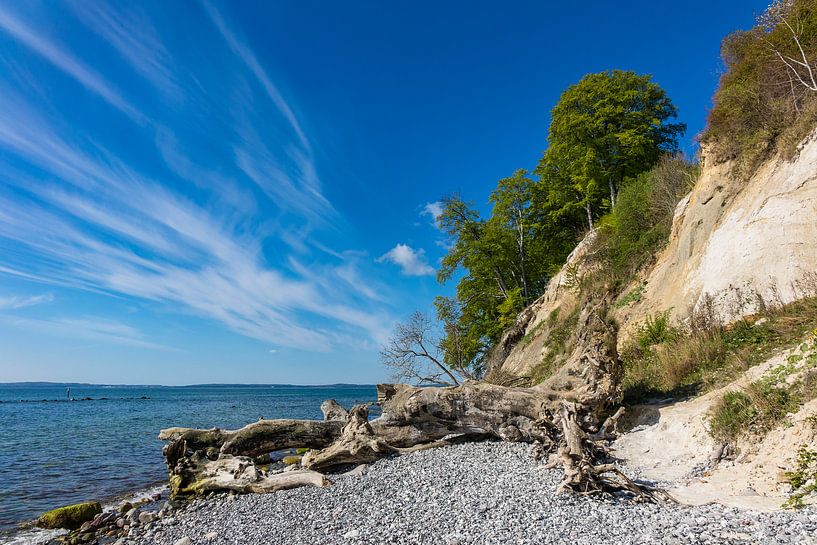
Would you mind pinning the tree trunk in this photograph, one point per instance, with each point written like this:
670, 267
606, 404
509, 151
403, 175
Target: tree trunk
565, 415
521, 244
612, 192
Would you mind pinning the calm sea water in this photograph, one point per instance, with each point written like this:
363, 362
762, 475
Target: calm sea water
54, 453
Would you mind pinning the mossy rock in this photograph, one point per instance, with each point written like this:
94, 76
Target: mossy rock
70, 517
175, 484
302, 450
292, 460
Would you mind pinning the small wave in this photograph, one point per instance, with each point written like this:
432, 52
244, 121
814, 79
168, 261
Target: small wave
31, 536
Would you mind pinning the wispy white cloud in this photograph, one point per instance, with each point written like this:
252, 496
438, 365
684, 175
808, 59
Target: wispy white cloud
197, 258
16, 302
249, 59
126, 28
58, 56
87, 329
434, 210
411, 262
189, 236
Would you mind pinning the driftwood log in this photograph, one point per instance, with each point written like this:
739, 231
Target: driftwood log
567, 417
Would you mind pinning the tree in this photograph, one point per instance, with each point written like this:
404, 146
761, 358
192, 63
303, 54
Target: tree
512, 200
766, 96
792, 18
607, 128
476, 246
414, 354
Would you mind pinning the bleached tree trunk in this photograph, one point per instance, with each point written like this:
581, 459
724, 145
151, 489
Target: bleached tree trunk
565, 414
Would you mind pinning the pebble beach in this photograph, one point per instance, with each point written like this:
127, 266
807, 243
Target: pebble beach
477, 493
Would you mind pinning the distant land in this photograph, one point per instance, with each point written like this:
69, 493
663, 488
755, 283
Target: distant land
213, 385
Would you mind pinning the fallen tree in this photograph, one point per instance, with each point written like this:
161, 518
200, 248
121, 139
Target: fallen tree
567, 417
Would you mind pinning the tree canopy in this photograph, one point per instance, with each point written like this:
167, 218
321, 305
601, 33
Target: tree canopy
608, 128
605, 131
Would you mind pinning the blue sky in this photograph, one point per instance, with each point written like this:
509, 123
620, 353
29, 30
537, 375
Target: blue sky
201, 192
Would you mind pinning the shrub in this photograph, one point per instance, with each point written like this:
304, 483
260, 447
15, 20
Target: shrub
706, 354
760, 104
758, 408
732, 416
656, 330
559, 341
803, 479
640, 223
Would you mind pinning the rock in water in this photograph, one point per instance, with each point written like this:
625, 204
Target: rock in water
70, 517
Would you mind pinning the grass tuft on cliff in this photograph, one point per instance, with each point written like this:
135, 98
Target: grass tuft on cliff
706, 354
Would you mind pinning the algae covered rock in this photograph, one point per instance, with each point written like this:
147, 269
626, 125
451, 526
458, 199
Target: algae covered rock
291, 460
70, 517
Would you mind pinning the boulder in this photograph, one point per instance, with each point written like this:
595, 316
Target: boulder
70, 517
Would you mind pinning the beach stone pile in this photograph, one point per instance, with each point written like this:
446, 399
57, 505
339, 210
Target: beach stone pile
111, 526
477, 493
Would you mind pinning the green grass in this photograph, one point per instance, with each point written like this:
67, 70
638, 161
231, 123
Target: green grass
803, 479
758, 408
634, 296
666, 362
558, 343
529, 336
657, 330
766, 402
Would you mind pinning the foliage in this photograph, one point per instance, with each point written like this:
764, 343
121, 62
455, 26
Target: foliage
656, 329
759, 407
706, 354
765, 402
640, 223
634, 296
803, 479
559, 340
606, 129
762, 102
620, 120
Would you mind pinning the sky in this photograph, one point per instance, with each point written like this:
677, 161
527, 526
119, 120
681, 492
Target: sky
245, 192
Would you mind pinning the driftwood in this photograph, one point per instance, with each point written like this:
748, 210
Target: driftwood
240, 474
567, 417
254, 439
332, 410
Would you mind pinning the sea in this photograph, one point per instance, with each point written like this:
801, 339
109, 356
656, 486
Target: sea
67, 443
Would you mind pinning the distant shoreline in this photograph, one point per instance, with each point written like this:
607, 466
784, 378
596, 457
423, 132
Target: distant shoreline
29, 384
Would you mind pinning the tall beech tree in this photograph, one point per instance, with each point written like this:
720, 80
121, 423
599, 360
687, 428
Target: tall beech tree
608, 128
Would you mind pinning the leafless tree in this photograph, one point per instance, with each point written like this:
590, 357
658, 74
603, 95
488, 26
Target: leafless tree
799, 68
414, 355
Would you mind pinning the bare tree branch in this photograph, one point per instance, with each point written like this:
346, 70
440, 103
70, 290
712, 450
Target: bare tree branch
414, 355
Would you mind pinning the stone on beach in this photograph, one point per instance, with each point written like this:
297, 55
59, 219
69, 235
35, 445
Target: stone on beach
469, 494
70, 517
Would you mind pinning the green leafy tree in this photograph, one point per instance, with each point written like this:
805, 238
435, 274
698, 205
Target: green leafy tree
607, 128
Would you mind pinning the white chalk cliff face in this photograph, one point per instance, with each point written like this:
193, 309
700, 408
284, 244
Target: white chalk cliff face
732, 238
